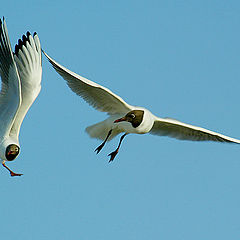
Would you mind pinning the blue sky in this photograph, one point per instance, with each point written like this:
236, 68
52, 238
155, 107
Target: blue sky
179, 59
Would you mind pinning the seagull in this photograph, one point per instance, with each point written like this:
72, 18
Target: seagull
125, 118
21, 74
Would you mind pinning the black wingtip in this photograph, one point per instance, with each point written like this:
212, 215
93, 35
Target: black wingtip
26, 36
18, 46
16, 49
24, 39
22, 42
2, 21
34, 34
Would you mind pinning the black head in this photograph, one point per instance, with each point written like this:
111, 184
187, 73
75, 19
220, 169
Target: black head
12, 151
135, 117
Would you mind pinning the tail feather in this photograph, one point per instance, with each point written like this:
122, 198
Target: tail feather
101, 129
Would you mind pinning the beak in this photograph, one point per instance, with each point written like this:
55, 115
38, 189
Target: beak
120, 120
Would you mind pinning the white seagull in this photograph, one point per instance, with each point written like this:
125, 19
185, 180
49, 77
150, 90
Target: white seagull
127, 118
21, 74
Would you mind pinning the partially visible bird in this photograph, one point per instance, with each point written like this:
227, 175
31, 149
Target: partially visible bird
21, 74
126, 118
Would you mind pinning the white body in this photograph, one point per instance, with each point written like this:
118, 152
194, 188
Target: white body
100, 130
21, 76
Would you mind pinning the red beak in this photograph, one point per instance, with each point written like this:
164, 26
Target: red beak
120, 120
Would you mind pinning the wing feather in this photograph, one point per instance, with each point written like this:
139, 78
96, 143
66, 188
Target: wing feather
28, 59
10, 97
94, 94
176, 129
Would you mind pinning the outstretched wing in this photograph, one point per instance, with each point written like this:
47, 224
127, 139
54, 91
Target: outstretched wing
29, 64
10, 95
94, 94
176, 129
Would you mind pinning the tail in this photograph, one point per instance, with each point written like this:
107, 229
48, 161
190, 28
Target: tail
101, 129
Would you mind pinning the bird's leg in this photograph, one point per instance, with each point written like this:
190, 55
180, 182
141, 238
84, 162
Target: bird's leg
13, 174
99, 148
114, 153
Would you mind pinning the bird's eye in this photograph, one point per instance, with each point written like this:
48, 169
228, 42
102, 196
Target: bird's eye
132, 115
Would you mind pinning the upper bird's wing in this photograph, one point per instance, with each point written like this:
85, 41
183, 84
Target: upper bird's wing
28, 59
176, 129
96, 95
10, 95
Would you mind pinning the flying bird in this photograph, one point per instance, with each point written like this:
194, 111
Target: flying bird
21, 74
125, 118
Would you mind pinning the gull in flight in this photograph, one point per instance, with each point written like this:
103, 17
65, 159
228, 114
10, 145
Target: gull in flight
125, 118
21, 74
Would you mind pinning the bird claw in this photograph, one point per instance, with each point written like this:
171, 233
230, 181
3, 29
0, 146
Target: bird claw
113, 155
13, 174
99, 148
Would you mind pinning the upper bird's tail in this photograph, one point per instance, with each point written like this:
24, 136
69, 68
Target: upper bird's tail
101, 129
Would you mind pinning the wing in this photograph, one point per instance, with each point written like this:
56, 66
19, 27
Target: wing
29, 64
94, 94
176, 129
10, 97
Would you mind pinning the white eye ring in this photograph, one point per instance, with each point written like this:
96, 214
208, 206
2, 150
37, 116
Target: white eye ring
132, 115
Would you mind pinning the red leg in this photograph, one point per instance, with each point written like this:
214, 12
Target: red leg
13, 174
99, 148
114, 153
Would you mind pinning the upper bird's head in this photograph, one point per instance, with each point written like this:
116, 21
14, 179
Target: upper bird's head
135, 117
12, 151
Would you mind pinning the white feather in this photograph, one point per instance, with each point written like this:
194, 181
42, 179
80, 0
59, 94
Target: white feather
21, 83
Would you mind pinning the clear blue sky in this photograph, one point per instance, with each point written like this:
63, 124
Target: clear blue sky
179, 59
